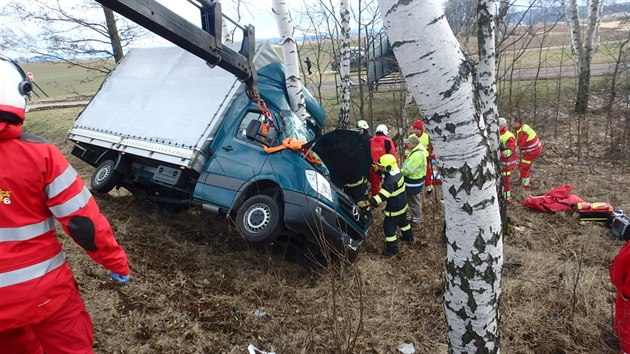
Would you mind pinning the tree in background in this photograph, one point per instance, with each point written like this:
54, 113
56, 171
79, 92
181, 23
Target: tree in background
291, 59
460, 15
344, 68
68, 32
446, 90
583, 47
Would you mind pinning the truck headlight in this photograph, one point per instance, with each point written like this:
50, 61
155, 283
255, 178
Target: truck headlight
319, 184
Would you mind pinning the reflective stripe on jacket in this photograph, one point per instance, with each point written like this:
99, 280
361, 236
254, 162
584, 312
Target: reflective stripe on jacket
392, 191
414, 169
527, 139
509, 159
37, 186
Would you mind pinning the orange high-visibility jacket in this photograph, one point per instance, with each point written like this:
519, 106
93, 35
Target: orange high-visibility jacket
527, 139
509, 159
37, 187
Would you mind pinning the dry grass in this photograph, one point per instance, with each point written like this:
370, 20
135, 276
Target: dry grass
197, 285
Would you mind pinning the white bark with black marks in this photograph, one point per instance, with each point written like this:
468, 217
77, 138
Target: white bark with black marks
487, 72
291, 59
443, 82
344, 68
584, 49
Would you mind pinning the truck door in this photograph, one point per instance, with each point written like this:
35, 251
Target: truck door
235, 162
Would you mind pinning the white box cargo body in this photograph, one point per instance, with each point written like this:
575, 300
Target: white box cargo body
175, 119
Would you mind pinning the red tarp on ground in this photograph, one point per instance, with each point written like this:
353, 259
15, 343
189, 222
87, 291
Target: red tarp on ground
557, 199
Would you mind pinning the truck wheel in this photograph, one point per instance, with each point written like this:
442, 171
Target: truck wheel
105, 177
259, 219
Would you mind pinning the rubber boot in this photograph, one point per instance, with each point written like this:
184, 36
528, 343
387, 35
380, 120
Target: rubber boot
407, 236
391, 249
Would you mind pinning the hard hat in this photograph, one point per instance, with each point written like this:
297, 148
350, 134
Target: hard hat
15, 85
382, 128
419, 125
502, 122
362, 124
388, 162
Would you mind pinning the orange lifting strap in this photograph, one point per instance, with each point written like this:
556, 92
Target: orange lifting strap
294, 145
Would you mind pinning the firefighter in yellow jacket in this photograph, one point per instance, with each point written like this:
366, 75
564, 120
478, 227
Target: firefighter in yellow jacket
392, 191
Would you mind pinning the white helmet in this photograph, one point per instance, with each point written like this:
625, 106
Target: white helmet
502, 122
15, 85
362, 124
382, 128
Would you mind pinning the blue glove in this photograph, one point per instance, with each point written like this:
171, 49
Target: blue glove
119, 278
433, 161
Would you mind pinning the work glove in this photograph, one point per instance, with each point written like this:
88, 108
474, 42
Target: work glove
363, 204
119, 278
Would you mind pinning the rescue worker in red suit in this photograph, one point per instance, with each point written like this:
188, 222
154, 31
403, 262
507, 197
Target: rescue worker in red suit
619, 274
509, 158
530, 147
380, 145
40, 306
425, 140
393, 192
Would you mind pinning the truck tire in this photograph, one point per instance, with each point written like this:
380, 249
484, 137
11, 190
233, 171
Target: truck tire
105, 177
259, 219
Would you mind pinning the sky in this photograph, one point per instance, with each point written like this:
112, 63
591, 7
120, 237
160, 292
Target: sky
255, 12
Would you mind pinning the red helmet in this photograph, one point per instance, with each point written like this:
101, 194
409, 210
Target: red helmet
419, 125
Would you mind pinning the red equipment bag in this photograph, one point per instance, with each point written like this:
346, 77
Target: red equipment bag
594, 211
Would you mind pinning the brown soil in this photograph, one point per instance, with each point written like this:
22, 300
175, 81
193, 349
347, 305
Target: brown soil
197, 284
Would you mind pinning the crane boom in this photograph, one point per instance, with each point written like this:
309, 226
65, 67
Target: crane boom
203, 42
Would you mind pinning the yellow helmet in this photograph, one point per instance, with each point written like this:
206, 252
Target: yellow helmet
388, 162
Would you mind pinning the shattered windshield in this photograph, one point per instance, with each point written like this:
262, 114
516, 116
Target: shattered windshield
295, 128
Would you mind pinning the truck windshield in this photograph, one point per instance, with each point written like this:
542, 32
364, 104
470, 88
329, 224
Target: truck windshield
295, 128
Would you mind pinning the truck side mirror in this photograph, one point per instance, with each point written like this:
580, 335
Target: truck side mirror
253, 132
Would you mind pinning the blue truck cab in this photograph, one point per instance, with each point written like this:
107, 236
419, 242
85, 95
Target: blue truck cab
169, 128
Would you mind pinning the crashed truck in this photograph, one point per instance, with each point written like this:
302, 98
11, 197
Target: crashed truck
170, 128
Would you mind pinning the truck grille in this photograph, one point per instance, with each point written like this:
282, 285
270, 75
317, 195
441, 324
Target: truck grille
351, 210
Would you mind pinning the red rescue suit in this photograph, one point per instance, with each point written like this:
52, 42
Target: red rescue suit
509, 159
530, 147
380, 145
37, 187
621, 279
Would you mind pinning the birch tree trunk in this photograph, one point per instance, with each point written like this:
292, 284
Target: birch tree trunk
443, 82
584, 51
487, 82
344, 68
574, 27
291, 60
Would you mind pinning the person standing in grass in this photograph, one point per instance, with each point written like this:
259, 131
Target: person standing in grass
414, 169
530, 147
509, 158
41, 309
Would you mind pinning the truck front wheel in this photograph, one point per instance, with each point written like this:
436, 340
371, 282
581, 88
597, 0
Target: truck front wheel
259, 219
105, 177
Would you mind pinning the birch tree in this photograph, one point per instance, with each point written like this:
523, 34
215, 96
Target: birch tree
344, 68
487, 69
291, 59
583, 47
444, 84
